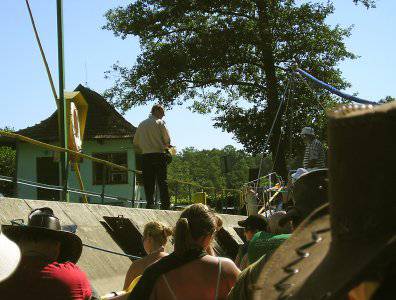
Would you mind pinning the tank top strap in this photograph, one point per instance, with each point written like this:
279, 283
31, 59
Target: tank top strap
218, 279
169, 288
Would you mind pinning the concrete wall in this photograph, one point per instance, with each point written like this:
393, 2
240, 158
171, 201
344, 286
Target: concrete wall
26, 169
107, 271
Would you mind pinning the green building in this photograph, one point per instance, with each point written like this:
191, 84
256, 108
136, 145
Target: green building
107, 136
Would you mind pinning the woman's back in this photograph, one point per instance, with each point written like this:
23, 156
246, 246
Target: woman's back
137, 268
199, 279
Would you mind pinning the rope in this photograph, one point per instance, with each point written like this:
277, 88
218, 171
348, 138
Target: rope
42, 54
272, 127
333, 90
311, 90
112, 252
287, 95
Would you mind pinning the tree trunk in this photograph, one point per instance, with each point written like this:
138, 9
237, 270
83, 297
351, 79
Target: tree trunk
266, 49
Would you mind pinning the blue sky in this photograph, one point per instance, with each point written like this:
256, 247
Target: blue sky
26, 97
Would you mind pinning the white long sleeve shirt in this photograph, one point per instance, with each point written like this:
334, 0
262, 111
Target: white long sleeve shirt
152, 136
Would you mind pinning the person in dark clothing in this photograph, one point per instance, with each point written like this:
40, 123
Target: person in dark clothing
153, 140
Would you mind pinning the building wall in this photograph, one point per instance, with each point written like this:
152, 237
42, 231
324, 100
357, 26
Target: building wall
26, 169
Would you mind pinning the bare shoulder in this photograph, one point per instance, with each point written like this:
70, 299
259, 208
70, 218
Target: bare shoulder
228, 264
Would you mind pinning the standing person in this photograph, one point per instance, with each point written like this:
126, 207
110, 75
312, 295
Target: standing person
47, 269
314, 155
152, 138
189, 272
155, 237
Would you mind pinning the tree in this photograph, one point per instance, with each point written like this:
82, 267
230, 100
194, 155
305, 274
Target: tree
366, 3
233, 58
7, 166
204, 167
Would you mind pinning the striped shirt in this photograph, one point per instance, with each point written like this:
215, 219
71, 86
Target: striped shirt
314, 151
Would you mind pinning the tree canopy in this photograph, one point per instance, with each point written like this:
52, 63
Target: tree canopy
234, 58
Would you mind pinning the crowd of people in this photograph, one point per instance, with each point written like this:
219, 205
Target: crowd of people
337, 243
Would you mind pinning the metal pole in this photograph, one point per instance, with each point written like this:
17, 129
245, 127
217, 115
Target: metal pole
62, 104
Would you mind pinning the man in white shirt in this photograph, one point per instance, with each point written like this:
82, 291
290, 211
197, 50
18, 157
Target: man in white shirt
152, 138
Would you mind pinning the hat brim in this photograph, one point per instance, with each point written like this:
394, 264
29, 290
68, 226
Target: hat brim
10, 256
325, 271
242, 223
71, 244
289, 216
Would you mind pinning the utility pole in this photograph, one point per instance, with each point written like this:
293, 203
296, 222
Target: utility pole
62, 111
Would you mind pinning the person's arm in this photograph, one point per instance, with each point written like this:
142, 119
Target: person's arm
165, 135
131, 274
230, 271
136, 139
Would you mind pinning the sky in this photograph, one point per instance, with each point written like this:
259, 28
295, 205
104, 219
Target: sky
26, 97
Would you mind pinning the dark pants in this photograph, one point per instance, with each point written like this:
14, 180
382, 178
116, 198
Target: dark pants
154, 169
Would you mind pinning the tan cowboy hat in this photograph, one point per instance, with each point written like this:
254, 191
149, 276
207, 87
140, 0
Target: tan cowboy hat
10, 255
327, 253
43, 223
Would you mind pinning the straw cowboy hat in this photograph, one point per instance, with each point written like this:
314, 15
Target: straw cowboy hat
10, 255
327, 253
43, 223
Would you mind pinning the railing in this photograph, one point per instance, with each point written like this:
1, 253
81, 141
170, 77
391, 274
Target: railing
180, 197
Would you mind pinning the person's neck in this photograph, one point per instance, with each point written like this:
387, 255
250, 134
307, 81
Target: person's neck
157, 250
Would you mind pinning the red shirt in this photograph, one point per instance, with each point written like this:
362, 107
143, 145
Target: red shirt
36, 278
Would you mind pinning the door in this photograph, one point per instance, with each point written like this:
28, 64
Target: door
47, 173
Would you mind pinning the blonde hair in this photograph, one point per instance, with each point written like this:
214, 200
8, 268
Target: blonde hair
158, 232
196, 221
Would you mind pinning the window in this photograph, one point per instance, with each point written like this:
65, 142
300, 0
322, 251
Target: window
103, 174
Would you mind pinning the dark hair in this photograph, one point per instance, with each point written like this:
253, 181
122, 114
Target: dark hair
157, 107
196, 221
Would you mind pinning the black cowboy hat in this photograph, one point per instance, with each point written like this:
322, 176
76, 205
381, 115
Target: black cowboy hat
309, 192
330, 250
254, 222
43, 223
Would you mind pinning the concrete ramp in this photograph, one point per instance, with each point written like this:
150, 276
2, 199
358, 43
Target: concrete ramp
112, 228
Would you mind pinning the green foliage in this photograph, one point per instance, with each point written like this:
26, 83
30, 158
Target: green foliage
7, 168
7, 165
204, 167
233, 58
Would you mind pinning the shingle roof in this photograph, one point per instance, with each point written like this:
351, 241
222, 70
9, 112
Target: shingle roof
103, 121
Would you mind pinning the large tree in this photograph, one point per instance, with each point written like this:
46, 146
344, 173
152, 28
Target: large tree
233, 58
